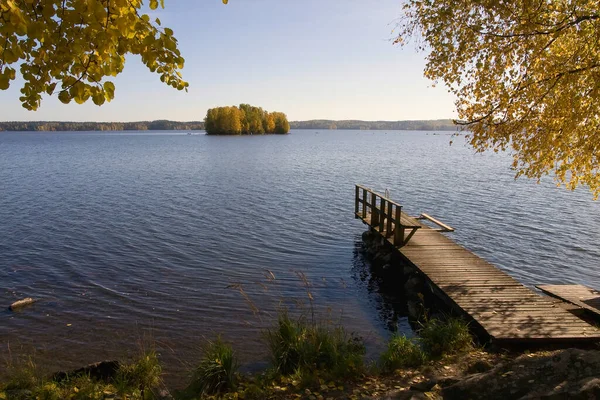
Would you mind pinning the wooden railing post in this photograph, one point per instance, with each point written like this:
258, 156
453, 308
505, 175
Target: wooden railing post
388, 229
398, 231
364, 202
381, 215
356, 197
374, 211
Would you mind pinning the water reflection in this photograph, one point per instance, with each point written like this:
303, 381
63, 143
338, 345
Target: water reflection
383, 285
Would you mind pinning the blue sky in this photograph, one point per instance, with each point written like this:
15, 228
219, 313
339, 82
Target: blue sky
310, 59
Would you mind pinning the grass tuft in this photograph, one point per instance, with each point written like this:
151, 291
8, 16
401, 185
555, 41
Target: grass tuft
21, 376
304, 349
401, 352
439, 337
139, 377
217, 372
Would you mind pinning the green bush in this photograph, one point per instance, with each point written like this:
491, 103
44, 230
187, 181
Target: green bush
439, 337
298, 347
217, 371
401, 352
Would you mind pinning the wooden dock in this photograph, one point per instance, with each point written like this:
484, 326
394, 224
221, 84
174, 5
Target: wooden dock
506, 309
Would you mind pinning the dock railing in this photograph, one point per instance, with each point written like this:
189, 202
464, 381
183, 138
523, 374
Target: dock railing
385, 214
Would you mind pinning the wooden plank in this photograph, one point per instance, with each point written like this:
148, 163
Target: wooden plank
531, 326
582, 296
442, 276
421, 254
459, 271
534, 320
446, 228
409, 221
450, 262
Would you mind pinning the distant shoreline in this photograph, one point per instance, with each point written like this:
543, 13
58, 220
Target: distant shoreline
165, 125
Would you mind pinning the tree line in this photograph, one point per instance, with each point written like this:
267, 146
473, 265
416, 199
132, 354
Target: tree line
58, 126
255, 124
244, 120
425, 125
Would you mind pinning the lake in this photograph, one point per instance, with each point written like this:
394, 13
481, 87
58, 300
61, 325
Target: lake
130, 238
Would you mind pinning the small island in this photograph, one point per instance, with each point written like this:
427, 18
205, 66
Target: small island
244, 120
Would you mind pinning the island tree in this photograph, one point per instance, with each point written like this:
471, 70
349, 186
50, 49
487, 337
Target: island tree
525, 75
244, 120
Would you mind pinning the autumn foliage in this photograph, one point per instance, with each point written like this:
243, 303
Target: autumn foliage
71, 47
525, 75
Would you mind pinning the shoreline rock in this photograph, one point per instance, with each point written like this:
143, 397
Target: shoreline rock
103, 371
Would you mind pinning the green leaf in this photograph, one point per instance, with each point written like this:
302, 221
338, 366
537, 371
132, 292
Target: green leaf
4, 82
109, 89
50, 88
64, 97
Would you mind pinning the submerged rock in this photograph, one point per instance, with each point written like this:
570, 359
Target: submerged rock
414, 285
21, 303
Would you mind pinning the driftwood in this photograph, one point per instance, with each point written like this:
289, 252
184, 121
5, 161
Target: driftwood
21, 303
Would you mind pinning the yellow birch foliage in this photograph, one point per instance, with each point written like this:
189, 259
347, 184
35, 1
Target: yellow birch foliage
526, 75
70, 47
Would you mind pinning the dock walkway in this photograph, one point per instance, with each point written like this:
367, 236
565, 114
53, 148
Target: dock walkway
506, 309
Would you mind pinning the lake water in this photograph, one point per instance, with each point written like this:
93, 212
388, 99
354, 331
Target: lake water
139, 237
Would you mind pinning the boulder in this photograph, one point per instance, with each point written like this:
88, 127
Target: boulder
424, 386
411, 395
563, 374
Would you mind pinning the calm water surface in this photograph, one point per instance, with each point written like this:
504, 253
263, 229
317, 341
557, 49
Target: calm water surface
147, 237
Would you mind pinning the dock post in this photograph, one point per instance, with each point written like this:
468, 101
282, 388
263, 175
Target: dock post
388, 229
374, 211
356, 197
398, 230
364, 201
382, 216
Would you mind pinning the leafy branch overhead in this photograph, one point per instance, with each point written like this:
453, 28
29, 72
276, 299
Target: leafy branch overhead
71, 47
525, 75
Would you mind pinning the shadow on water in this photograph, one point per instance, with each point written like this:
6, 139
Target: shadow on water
383, 280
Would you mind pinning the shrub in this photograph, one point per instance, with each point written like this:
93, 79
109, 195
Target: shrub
217, 370
298, 347
439, 337
401, 352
